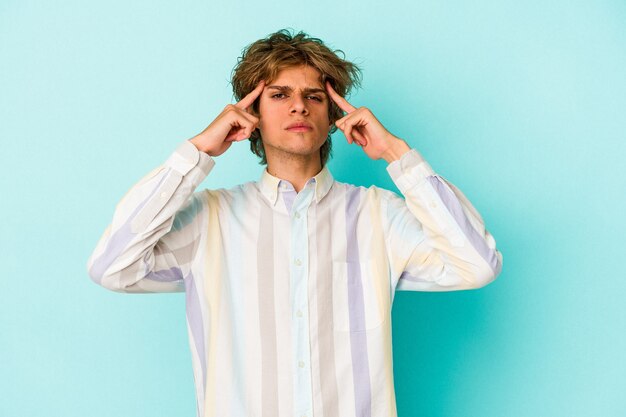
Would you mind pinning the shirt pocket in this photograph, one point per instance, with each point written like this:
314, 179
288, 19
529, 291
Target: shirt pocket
356, 306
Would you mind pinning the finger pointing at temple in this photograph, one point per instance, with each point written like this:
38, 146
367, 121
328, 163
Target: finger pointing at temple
247, 101
341, 102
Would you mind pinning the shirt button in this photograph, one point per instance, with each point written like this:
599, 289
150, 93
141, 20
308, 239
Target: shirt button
163, 194
297, 215
297, 262
299, 313
301, 364
433, 204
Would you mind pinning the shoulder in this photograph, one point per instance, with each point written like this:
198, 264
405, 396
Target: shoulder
371, 194
232, 194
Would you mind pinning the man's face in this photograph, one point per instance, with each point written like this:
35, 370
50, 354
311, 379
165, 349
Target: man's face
296, 95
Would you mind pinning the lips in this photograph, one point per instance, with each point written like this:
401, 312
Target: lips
300, 127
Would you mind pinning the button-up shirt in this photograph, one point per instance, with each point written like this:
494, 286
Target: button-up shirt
289, 294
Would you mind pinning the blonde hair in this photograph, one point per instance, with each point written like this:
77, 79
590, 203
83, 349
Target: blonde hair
265, 58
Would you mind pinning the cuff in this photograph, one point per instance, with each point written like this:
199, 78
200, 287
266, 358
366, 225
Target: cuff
187, 156
409, 170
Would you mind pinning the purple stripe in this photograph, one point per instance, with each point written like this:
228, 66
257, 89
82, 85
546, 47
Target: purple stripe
452, 203
166, 275
194, 317
288, 198
358, 335
406, 276
119, 241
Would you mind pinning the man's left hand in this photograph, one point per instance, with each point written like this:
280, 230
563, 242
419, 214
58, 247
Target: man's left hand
362, 127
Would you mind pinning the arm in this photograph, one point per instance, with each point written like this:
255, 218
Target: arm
436, 240
156, 228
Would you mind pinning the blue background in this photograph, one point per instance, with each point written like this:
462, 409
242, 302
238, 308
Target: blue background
521, 106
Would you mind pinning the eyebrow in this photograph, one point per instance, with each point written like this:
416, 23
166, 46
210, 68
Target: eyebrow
306, 90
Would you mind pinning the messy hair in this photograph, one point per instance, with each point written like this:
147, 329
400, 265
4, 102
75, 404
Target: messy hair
265, 58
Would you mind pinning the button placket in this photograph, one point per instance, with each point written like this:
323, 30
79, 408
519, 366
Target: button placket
299, 300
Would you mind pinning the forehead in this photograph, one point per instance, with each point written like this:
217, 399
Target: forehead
304, 75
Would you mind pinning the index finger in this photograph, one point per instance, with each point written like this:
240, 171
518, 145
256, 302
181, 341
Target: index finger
341, 102
247, 101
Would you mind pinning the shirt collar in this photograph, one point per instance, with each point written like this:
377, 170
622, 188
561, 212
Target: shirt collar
269, 184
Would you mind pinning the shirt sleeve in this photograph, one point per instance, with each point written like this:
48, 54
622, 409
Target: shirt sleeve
435, 238
156, 228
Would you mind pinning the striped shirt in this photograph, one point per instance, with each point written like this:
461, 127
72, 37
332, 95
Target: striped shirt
289, 294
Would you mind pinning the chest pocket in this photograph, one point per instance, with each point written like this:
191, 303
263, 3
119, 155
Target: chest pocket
357, 304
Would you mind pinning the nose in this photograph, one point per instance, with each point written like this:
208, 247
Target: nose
298, 105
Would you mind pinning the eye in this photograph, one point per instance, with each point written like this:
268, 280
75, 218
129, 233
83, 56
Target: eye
316, 98
277, 94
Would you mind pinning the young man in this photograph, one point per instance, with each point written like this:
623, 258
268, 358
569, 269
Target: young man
290, 280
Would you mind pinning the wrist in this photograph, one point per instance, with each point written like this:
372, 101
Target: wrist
197, 145
396, 150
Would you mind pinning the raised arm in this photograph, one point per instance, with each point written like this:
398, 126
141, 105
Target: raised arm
157, 226
435, 238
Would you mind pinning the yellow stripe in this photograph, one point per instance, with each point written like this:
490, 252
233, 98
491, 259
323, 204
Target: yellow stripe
212, 291
382, 286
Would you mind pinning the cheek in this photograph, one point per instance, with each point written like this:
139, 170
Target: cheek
267, 118
327, 118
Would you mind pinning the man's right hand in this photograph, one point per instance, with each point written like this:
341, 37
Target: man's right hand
234, 123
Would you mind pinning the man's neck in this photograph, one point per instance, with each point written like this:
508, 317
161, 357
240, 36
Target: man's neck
296, 170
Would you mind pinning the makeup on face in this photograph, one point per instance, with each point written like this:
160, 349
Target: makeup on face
316, 92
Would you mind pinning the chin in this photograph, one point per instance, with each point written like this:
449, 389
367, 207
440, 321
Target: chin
301, 150
301, 145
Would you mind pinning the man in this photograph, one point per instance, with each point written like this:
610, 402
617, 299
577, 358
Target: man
290, 280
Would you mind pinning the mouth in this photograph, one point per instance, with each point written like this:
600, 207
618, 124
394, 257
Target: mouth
299, 127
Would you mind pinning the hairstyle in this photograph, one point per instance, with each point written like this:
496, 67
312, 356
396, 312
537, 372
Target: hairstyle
265, 58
